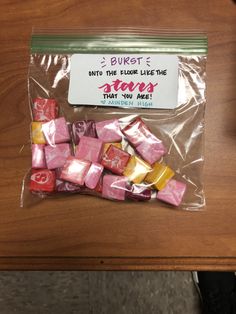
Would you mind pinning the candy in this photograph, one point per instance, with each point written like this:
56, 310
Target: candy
136, 169
133, 177
44, 109
89, 149
42, 180
98, 188
159, 176
64, 186
93, 175
139, 193
107, 145
56, 131
114, 187
136, 132
83, 128
172, 193
56, 155
37, 133
147, 144
115, 160
75, 170
151, 150
38, 157
109, 131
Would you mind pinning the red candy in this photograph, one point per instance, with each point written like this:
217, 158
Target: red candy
42, 180
115, 159
136, 132
44, 109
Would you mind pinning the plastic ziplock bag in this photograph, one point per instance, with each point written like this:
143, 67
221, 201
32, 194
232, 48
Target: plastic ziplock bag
118, 114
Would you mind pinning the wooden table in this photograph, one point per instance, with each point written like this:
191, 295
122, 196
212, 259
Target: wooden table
88, 233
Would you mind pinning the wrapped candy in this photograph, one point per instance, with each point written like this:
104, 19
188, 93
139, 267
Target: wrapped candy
42, 180
44, 109
172, 193
93, 175
114, 187
75, 170
133, 177
89, 149
56, 155
64, 186
151, 150
115, 160
139, 192
37, 133
159, 176
109, 131
136, 169
83, 128
38, 157
136, 132
147, 144
56, 131
107, 145
98, 187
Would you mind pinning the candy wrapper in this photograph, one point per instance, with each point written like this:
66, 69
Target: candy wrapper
118, 115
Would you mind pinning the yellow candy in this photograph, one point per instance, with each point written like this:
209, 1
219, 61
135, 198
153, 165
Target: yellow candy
37, 133
106, 146
159, 176
137, 169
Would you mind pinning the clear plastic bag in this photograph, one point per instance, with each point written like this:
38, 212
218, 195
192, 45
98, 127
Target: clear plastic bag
119, 153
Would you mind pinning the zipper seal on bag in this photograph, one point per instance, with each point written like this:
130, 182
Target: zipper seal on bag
118, 41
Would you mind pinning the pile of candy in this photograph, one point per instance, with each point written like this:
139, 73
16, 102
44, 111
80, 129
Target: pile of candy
90, 156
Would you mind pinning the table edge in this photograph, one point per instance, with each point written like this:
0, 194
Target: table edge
118, 263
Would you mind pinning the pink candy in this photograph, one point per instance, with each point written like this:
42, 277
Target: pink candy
151, 150
172, 193
136, 132
109, 131
56, 131
56, 155
75, 170
38, 158
114, 187
89, 149
93, 176
147, 144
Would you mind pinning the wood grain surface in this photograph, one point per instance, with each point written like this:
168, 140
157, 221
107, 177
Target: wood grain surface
86, 232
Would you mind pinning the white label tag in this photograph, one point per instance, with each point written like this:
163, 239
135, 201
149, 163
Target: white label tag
140, 80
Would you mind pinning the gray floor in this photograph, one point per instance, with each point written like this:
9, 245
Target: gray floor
98, 293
